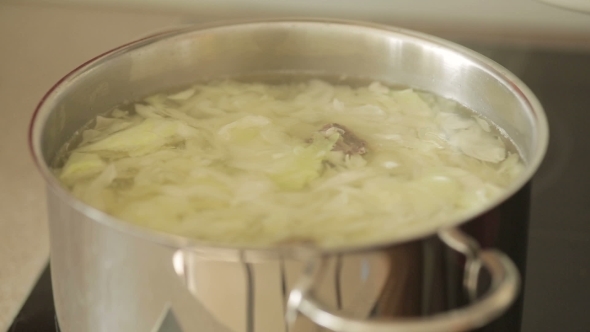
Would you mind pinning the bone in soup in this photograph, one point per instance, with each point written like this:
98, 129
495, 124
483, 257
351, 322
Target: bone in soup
260, 164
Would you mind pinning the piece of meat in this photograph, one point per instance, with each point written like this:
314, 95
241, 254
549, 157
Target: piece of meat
348, 142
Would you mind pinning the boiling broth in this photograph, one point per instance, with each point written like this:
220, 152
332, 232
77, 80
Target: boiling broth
258, 164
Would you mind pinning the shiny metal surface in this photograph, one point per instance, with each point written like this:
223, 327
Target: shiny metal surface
112, 276
504, 288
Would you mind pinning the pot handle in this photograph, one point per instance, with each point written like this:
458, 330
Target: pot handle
505, 284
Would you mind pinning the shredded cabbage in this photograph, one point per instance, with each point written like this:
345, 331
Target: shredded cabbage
249, 164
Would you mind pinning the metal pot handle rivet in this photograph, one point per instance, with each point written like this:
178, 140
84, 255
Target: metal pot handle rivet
504, 287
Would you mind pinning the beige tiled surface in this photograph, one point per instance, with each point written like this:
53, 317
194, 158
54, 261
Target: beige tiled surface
38, 45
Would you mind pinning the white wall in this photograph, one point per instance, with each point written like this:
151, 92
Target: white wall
516, 21
523, 14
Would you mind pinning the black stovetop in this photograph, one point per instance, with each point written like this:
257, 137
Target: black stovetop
38, 313
557, 293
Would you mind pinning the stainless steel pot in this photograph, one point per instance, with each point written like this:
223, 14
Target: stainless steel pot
109, 275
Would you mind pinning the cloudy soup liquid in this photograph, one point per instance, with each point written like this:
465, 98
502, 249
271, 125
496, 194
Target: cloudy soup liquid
262, 164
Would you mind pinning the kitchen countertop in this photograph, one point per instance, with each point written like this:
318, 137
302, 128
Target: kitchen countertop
38, 46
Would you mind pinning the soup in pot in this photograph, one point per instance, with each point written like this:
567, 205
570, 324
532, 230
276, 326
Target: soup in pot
259, 164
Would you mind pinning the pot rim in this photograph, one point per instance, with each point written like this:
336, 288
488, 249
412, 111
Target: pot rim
228, 252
